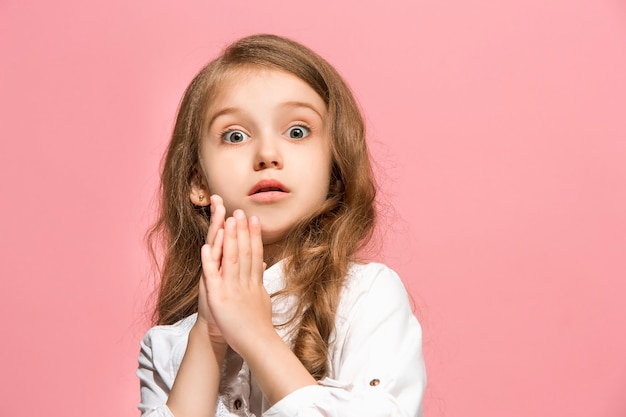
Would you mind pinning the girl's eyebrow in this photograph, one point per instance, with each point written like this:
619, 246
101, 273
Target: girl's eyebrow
302, 104
223, 112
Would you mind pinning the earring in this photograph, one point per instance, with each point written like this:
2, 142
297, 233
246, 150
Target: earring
200, 197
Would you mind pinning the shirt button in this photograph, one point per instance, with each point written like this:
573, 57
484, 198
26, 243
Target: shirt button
237, 404
374, 382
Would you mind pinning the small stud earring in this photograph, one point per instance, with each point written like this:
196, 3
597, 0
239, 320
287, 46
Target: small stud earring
200, 197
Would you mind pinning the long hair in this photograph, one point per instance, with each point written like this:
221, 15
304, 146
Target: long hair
320, 248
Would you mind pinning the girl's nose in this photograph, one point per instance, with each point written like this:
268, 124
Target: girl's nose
268, 155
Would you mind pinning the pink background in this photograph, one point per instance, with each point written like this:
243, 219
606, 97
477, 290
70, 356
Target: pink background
499, 128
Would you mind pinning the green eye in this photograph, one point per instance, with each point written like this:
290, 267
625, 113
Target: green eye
298, 132
235, 136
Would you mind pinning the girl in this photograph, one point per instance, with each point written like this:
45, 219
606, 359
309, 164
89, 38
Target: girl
267, 196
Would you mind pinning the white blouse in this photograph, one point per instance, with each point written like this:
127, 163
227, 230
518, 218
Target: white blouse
376, 367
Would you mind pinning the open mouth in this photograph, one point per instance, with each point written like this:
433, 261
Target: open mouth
268, 186
268, 189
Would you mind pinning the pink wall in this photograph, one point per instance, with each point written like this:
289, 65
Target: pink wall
500, 127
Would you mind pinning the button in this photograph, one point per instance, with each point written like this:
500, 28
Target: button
374, 382
237, 404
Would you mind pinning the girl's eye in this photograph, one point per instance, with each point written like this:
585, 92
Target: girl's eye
298, 132
235, 136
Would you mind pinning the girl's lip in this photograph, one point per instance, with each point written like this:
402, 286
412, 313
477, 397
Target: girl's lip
268, 185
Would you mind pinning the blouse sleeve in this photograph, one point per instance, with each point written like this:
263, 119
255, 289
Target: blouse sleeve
162, 351
378, 365
153, 384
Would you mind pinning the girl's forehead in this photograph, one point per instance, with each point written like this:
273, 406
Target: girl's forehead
258, 76
260, 86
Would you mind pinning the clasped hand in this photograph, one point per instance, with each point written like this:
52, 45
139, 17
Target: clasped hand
232, 300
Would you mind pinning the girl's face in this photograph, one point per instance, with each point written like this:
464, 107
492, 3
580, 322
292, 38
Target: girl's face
265, 149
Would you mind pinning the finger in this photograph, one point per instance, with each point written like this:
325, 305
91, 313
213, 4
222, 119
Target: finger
230, 254
218, 213
256, 246
217, 248
209, 266
212, 256
243, 243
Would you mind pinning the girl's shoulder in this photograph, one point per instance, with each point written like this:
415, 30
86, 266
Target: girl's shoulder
364, 276
375, 285
374, 309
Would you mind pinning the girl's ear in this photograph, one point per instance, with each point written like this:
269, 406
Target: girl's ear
199, 194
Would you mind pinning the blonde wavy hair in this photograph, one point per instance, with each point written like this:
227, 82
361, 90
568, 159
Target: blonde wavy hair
320, 248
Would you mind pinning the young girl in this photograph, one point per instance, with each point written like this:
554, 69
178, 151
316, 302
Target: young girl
263, 307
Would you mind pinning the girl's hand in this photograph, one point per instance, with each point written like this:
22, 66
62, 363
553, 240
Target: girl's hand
214, 243
236, 296
243, 311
